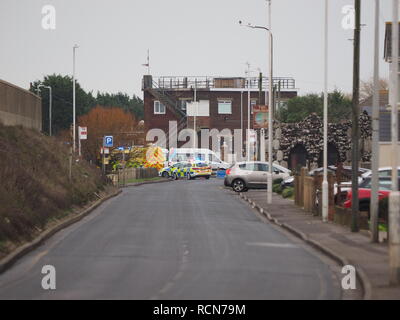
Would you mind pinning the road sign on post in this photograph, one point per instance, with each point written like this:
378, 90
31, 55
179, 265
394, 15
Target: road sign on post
260, 116
82, 133
108, 141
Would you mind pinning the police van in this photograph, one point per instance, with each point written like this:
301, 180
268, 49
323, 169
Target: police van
196, 154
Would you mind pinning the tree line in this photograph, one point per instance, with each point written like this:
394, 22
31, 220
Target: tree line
85, 101
339, 104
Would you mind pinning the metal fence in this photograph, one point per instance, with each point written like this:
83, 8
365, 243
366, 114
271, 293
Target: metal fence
130, 175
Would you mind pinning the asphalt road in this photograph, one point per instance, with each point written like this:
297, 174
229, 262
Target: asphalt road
177, 240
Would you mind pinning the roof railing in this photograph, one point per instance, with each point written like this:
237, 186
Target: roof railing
205, 82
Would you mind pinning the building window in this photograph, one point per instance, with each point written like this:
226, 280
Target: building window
225, 106
159, 108
183, 104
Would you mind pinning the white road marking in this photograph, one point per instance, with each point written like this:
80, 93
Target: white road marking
273, 245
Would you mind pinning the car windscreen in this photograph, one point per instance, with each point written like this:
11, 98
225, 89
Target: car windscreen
200, 165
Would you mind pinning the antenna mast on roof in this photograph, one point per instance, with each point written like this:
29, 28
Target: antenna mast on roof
148, 62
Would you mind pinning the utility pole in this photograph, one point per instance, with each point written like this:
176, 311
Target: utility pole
241, 125
262, 130
355, 118
278, 102
375, 135
394, 197
325, 187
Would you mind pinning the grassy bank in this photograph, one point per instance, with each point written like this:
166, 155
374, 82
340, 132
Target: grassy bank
35, 188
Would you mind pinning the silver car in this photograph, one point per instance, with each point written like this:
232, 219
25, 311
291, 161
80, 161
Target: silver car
252, 175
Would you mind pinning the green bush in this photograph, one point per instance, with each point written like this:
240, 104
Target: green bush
277, 188
288, 192
277, 181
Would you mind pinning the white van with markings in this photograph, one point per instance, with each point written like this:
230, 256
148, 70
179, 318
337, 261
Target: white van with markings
197, 154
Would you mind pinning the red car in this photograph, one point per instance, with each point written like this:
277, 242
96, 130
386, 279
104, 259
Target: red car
364, 193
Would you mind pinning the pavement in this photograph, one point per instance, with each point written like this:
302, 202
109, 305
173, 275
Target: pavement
177, 240
369, 259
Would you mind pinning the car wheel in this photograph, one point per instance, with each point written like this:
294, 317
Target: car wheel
238, 185
207, 177
165, 174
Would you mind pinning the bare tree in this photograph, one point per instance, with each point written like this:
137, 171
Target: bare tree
367, 87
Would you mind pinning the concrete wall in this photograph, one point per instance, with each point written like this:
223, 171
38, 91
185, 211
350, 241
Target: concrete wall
19, 107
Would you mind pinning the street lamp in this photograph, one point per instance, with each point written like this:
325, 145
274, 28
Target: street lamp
50, 104
325, 199
394, 197
270, 123
374, 207
73, 99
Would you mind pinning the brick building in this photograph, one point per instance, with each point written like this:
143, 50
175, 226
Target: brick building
223, 101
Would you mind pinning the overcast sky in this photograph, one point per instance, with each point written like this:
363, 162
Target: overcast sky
185, 37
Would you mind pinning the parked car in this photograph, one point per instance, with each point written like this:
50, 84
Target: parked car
364, 175
175, 171
287, 182
252, 175
346, 171
364, 193
346, 174
198, 169
383, 172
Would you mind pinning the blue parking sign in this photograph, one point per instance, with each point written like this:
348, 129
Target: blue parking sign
108, 141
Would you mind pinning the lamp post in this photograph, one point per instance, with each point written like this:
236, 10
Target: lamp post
270, 122
394, 197
325, 199
375, 135
50, 105
73, 100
